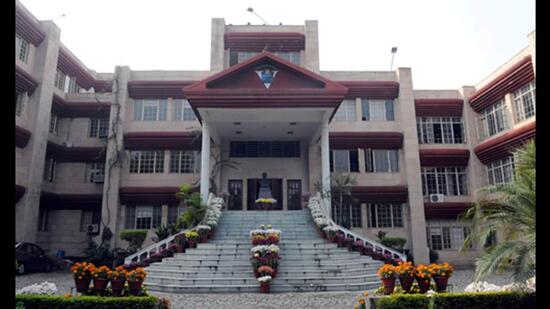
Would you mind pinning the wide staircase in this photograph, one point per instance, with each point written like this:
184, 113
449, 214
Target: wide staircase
308, 262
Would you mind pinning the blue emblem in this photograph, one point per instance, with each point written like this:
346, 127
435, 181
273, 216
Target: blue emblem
266, 74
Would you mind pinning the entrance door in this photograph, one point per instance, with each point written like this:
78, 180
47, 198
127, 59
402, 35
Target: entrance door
294, 194
276, 186
235, 194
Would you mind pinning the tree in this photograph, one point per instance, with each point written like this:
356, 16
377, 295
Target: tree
194, 207
340, 196
512, 212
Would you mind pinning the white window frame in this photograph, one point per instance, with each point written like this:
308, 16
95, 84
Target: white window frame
49, 170
95, 169
490, 114
522, 97
157, 104
54, 124
60, 79
177, 155
456, 236
370, 155
243, 56
144, 212
377, 218
139, 166
341, 152
446, 173
20, 102
426, 130
22, 48
346, 111
501, 166
98, 126
183, 111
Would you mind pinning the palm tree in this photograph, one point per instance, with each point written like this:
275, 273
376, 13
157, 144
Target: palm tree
513, 213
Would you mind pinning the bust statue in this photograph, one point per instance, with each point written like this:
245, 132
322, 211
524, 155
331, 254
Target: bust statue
265, 187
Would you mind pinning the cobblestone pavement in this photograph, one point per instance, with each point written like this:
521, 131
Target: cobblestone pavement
63, 280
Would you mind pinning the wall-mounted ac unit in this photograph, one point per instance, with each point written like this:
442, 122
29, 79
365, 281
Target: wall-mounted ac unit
92, 228
98, 178
436, 198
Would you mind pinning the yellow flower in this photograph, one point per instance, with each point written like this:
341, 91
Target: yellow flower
67, 295
366, 294
361, 301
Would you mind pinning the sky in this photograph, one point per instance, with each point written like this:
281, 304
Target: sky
447, 44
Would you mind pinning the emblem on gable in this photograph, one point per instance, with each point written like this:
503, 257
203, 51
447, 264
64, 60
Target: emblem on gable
266, 74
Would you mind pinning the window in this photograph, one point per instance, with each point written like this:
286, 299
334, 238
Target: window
493, 120
73, 87
21, 48
43, 217
183, 111
143, 216
294, 194
60, 80
243, 56
377, 110
344, 161
174, 212
235, 187
293, 57
385, 215
89, 217
49, 170
99, 127
349, 216
150, 110
382, 160
53, 123
238, 57
446, 235
95, 171
444, 180
440, 130
346, 111
501, 171
185, 161
265, 149
147, 162
20, 100
524, 102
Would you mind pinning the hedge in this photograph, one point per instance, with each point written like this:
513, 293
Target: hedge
86, 302
481, 300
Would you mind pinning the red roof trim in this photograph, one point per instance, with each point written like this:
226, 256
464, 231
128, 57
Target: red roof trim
27, 26
444, 210
509, 81
153, 195
444, 157
161, 140
62, 153
90, 109
69, 65
368, 194
50, 200
24, 82
438, 107
503, 145
153, 89
375, 90
259, 41
22, 136
379, 140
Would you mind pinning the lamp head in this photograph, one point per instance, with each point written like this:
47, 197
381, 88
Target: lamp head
250, 10
393, 50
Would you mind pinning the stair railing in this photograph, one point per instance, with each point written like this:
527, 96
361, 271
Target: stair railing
163, 244
347, 233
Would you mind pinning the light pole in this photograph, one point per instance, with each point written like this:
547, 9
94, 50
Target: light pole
251, 10
393, 51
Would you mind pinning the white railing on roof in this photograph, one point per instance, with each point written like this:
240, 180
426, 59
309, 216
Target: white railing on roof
163, 244
376, 245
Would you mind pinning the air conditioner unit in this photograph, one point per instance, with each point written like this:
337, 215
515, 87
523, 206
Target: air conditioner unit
92, 228
436, 198
98, 178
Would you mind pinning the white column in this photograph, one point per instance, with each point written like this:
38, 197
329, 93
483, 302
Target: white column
205, 161
325, 163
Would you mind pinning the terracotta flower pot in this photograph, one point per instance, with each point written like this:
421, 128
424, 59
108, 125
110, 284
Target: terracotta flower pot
117, 286
423, 284
204, 239
192, 244
135, 287
100, 285
441, 283
274, 272
180, 248
406, 283
264, 287
331, 238
83, 284
389, 285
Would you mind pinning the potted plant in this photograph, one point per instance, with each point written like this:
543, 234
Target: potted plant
264, 284
203, 231
135, 280
305, 199
192, 237
117, 278
348, 243
155, 257
265, 271
340, 240
272, 239
423, 277
258, 240
173, 248
358, 245
82, 273
179, 240
441, 273
387, 275
330, 232
368, 249
101, 279
405, 273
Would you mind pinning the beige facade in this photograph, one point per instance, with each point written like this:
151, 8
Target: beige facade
75, 194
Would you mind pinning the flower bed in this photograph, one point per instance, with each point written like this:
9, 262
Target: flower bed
102, 276
423, 274
89, 302
265, 255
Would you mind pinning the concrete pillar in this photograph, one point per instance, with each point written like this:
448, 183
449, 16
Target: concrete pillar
325, 162
205, 161
411, 165
312, 46
114, 159
217, 45
40, 103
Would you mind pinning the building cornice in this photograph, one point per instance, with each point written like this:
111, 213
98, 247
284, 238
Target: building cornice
377, 140
375, 90
371, 194
27, 26
24, 82
50, 200
503, 145
157, 89
22, 136
161, 140
445, 211
63, 153
90, 109
260, 41
438, 107
444, 157
151, 195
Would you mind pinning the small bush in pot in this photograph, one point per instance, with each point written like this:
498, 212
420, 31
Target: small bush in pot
387, 275
423, 277
405, 273
135, 280
82, 273
441, 273
101, 279
192, 237
117, 278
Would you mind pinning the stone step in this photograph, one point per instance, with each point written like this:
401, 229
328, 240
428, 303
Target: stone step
287, 257
174, 272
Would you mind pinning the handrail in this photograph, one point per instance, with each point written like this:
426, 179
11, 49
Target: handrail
156, 247
374, 244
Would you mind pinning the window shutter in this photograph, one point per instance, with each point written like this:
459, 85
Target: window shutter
162, 109
353, 161
138, 106
389, 110
177, 110
365, 110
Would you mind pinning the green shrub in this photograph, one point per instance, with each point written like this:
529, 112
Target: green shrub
396, 243
434, 256
493, 300
134, 237
86, 302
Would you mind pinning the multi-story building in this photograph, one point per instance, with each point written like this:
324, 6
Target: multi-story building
110, 149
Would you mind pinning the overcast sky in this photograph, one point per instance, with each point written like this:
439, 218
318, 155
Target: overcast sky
446, 43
